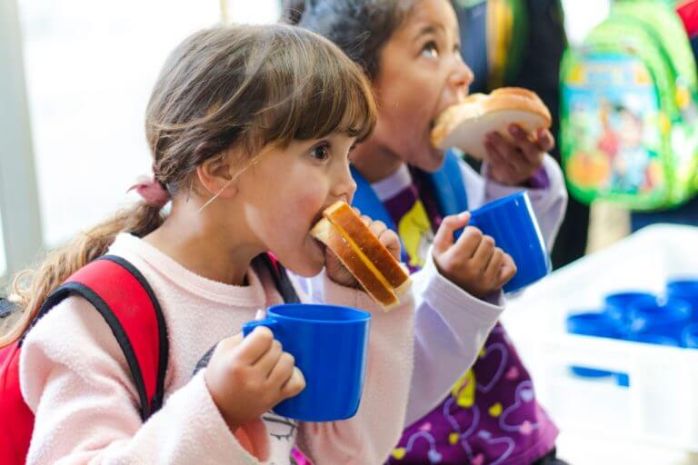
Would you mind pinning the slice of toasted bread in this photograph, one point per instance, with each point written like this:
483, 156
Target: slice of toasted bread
368, 277
360, 251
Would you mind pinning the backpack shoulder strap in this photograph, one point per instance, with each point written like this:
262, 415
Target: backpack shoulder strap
281, 280
366, 200
124, 298
448, 186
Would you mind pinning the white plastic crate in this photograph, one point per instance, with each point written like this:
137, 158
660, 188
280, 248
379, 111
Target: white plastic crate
661, 403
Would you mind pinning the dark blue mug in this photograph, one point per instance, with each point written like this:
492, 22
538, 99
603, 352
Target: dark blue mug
329, 344
511, 222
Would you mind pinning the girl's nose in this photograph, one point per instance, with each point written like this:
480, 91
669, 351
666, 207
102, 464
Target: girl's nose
461, 78
345, 186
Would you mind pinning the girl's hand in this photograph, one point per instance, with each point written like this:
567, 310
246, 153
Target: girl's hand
472, 262
248, 376
514, 162
339, 274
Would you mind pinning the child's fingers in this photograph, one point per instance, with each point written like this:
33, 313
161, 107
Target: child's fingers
391, 241
456, 260
268, 360
522, 140
443, 239
282, 370
228, 344
386, 237
377, 227
255, 344
502, 148
467, 243
546, 141
501, 168
492, 271
294, 385
483, 254
508, 270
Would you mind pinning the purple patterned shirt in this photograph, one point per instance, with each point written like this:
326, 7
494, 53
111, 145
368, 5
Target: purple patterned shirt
491, 416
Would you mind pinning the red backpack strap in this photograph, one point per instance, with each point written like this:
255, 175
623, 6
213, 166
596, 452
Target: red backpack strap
124, 298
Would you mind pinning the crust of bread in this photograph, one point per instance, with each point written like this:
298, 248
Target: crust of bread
368, 276
345, 218
465, 124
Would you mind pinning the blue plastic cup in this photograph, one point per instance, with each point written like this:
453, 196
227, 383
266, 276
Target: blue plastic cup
329, 344
618, 306
597, 324
685, 289
657, 339
690, 336
655, 321
510, 221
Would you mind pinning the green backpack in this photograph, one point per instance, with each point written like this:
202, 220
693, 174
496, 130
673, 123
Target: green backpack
629, 124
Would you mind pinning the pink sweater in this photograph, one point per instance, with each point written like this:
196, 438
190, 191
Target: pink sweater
75, 379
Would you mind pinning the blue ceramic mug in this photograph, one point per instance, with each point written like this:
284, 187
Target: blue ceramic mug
329, 344
510, 221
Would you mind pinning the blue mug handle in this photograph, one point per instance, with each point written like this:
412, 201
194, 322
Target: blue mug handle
269, 322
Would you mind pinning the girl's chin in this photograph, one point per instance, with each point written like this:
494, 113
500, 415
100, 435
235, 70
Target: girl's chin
432, 161
313, 261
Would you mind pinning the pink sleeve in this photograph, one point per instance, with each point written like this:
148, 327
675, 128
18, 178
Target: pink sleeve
74, 378
369, 437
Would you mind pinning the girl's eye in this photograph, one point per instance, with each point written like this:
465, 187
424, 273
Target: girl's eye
430, 49
320, 152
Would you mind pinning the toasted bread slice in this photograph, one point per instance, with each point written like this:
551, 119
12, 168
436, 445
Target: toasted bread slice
368, 278
360, 251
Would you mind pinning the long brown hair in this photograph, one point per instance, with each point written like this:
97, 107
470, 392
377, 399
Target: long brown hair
243, 86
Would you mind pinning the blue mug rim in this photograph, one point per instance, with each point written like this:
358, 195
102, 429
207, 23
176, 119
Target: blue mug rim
674, 285
360, 315
644, 317
497, 202
592, 323
630, 293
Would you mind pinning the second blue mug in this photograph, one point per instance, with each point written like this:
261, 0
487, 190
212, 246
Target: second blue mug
511, 222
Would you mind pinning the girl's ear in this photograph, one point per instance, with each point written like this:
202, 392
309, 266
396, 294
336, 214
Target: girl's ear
217, 175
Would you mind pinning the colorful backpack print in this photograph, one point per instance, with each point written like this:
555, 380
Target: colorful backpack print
629, 130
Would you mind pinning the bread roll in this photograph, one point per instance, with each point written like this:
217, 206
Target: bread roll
465, 124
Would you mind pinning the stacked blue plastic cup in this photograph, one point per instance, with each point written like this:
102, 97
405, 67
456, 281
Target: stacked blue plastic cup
598, 324
685, 289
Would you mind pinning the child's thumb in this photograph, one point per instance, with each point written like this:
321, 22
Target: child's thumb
449, 231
